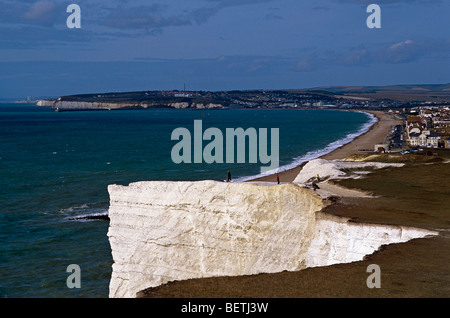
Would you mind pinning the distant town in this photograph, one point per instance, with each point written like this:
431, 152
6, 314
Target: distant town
424, 129
341, 97
428, 127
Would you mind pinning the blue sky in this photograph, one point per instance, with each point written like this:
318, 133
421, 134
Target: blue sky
219, 45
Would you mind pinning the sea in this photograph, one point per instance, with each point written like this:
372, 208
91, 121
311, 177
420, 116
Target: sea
55, 168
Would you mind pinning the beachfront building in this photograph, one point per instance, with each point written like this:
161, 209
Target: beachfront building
417, 121
414, 139
426, 138
382, 148
430, 127
433, 139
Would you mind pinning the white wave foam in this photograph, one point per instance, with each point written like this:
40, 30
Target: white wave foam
85, 212
74, 208
319, 152
90, 216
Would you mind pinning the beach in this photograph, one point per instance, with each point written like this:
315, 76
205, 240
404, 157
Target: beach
375, 135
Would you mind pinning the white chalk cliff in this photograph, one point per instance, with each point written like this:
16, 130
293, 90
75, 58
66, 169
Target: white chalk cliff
162, 231
335, 169
82, 105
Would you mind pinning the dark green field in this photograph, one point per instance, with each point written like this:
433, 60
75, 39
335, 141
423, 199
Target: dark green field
416, 195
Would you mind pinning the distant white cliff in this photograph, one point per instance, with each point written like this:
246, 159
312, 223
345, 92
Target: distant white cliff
45, 102
81, 105
162, 231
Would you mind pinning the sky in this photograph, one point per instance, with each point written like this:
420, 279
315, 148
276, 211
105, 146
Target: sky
218, 45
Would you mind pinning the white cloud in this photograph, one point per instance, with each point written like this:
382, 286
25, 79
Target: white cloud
42, 11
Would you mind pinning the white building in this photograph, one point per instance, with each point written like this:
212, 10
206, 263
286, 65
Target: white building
425, 139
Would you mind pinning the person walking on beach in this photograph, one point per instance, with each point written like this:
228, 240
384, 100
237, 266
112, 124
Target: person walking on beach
278, 179
229, 176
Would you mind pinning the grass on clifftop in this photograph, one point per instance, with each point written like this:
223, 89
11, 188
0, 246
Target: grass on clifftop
416, 194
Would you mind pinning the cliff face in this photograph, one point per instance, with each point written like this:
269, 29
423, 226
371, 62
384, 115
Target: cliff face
338, 241
45, 102
163, 231
80, 105
93, 105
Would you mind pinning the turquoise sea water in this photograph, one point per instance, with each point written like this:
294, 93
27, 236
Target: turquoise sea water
55, 167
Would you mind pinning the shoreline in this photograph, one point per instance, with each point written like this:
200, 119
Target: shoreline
374, 135
415, 268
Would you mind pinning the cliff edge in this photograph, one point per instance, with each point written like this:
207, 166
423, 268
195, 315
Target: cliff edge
163, 231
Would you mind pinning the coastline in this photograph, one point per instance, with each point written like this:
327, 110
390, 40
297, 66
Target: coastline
374, 135
416, 268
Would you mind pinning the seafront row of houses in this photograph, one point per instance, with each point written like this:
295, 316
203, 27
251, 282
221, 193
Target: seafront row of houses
428, 127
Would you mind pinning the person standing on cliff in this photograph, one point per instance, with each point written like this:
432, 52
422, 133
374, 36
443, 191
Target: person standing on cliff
229, 176
278, 179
